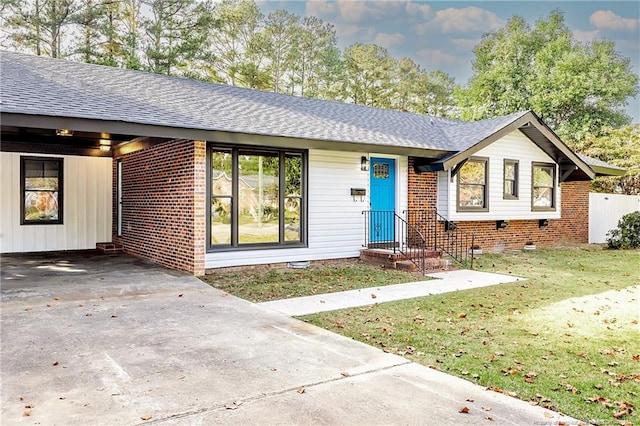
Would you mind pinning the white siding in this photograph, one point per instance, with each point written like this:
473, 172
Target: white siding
443, 193
86, 209
514, 146
335, 220
605, 210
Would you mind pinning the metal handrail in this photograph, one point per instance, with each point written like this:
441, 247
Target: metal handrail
421, 230
387, 230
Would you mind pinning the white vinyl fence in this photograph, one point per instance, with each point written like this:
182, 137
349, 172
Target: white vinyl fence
605, 210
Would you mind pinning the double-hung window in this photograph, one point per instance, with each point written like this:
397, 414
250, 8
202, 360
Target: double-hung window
256, 197
41, 190
543, 188
510, 180
473, 187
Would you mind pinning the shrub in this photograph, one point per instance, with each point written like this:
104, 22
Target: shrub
627, 234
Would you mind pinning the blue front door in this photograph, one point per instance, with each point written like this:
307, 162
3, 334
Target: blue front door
382, 176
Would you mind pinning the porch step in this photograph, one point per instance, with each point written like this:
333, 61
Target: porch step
109, 247
391, 260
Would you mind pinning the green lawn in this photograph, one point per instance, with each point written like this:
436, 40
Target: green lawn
567, 339
264, 284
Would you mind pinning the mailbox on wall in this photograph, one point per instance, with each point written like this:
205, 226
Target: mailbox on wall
358, 193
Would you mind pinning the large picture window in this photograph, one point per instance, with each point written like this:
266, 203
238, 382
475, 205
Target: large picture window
41, 189
543, 186
256, 197
472, 185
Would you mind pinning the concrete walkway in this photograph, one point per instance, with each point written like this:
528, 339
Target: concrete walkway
444, 282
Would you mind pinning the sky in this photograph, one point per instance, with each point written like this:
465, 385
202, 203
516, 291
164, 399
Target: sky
440, 35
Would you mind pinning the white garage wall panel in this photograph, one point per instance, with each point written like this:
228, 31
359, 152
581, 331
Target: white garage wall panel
335, 220
86, 214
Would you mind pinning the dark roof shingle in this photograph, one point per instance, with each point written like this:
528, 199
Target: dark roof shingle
50, 87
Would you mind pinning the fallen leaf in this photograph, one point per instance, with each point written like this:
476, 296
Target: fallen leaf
462, 315
26, 413
114, 316
345, 374
233, 405
373, 296
470, 400
21, 398
301, 390
30, 406
55, 363
486, 408
180, 295
146, 417
57, 298
489, 418
499, 353
548, 414
28, 308
464, 410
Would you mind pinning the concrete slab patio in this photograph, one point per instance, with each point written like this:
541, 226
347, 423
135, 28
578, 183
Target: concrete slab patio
114, 340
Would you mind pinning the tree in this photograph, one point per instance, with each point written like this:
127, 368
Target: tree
38, 25
368, 70
415, 90
575, 88
232, 43
317, 60
175, 33
276, 41
620, 147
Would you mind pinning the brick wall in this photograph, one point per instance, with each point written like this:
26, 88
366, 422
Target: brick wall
571, 228
164, 204
423, 189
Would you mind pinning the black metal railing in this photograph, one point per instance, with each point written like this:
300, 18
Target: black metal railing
419, 231
442, 234
389, 231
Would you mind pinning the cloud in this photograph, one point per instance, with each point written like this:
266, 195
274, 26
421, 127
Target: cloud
387, 40
607, 20
320, 8
437, 57
466, 20
585, 36
418, 10
359, 11
465, 43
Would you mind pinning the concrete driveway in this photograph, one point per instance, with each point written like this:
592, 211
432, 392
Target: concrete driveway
114, 340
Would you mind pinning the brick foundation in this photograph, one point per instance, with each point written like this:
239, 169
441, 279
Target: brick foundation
164, 191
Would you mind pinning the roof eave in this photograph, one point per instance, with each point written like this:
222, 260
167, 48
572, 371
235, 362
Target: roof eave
527, 119
608, 171
219, 136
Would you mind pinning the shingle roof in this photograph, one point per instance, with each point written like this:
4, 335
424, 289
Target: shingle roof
43, 86
39, 86
601, 167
